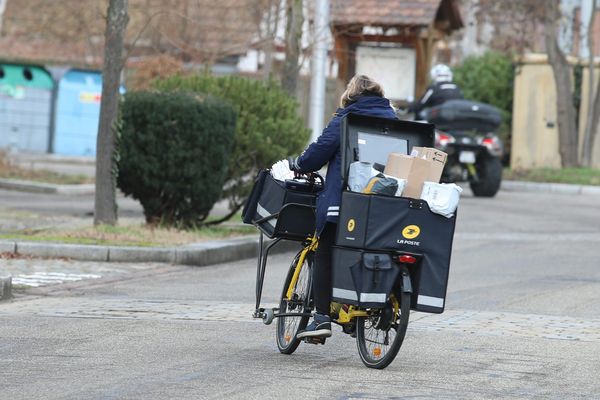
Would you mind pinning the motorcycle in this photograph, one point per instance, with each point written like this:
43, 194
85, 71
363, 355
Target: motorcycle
465, 130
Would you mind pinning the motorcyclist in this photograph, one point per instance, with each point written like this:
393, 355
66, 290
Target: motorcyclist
362, 96
441, 90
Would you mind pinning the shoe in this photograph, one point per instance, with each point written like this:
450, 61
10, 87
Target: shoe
319, 327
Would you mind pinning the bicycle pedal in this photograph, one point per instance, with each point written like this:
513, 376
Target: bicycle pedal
315, 340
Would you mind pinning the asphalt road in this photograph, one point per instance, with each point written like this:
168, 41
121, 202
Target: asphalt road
522, 321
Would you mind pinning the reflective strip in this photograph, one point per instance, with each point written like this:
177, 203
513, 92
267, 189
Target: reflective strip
333, 214
430, 301
373, 297
264, 213
344, 294
333, 208
450, 86
427, 96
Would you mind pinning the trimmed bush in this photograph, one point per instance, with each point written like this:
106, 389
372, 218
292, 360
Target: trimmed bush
489, 79
268, 126
174, 149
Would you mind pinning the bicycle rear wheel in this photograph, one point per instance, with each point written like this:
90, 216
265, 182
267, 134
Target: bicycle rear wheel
380, 335
288, 327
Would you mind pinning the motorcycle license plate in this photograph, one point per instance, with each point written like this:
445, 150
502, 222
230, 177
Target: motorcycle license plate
467, 157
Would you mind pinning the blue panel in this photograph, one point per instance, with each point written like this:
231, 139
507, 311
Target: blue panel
77, 113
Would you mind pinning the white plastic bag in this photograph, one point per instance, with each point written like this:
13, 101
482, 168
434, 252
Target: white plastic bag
359, 175
281, 171
441, 197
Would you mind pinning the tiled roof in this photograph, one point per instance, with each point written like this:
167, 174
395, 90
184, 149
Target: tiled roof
72, 31
384, 12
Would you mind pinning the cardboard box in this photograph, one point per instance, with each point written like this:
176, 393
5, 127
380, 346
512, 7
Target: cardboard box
436, 157
425, 166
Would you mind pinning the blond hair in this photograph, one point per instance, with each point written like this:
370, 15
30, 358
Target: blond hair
360, 85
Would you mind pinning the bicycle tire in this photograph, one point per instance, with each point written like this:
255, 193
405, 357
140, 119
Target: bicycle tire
368, 354
287, 342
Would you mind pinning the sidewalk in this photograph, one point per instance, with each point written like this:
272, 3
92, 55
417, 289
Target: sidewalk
68, 165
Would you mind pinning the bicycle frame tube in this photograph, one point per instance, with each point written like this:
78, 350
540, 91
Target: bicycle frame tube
314, 242
347, 316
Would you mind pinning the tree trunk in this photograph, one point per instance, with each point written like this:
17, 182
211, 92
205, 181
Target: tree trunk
105, 207
591, 126
565, 111
269, 45
293, 39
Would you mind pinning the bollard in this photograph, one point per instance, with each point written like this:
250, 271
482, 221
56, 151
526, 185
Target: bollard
5, 287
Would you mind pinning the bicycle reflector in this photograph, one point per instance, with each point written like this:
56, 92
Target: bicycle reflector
406, 259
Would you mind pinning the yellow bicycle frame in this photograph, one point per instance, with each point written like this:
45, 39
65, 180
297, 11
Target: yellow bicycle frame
314, 243
345, 316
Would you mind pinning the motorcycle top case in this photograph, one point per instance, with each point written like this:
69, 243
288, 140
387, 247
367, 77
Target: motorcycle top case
397, 224
281, 209
465, 115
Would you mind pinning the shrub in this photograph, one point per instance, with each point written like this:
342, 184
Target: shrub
268, 126
173, 153
489, 79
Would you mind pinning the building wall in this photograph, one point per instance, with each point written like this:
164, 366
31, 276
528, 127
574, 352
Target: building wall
534, 129
535, 142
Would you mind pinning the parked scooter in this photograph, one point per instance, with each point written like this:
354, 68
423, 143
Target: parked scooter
466, 131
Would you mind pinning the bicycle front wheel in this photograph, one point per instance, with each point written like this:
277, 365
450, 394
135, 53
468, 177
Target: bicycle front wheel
380, 335
288, 327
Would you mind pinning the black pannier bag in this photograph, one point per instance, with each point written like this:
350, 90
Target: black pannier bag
249, 210
382, 223
281, 209
362, 278
377, 224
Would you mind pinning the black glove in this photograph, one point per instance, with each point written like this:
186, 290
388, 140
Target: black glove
293, 163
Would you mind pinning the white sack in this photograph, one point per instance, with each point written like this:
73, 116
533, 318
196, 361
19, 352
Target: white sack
441, 197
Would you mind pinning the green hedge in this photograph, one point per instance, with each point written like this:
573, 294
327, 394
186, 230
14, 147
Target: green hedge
174, 149
268, 126
489, 79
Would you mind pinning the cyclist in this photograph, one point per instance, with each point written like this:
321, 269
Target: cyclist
441, 90
362, 96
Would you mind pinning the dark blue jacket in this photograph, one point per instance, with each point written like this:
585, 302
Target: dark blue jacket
327, 150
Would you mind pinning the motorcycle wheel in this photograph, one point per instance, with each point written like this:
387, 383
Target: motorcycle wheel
490, 176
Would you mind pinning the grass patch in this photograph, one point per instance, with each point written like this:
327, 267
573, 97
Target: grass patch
132, 235
10, 171
578, 176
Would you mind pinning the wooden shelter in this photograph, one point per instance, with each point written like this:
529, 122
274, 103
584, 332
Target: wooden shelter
416, 24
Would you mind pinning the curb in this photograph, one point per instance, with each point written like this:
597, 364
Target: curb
198, 254
37, 187
519, 186
5, 287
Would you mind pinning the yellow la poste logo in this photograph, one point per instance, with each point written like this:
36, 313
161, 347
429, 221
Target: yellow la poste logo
411, 231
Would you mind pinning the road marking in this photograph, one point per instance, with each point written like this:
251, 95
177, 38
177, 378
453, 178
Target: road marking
463, 321
49, 278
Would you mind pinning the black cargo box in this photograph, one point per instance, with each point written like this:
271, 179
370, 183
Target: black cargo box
375, 224
279, 210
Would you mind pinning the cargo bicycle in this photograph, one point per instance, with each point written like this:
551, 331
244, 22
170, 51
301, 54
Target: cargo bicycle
379, 332
391, 254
